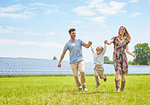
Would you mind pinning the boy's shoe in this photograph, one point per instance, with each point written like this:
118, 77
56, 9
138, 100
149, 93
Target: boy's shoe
80, 88
97, 85
84, 88
105, 79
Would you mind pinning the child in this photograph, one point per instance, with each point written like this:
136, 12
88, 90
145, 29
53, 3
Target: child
98, 60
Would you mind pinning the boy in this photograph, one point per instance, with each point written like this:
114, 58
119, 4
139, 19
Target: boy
98, 60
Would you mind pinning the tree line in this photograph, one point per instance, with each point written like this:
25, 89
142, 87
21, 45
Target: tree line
142, 52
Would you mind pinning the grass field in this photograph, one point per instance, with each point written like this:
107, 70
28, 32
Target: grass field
62, 90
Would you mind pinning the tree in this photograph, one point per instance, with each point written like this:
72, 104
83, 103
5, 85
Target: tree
142, 52
107, 61
54, 58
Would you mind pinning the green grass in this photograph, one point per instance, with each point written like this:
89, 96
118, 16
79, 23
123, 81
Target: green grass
61, 90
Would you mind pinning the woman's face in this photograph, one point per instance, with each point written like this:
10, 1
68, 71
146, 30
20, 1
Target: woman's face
121, 30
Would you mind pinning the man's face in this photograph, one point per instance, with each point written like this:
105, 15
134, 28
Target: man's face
73, 34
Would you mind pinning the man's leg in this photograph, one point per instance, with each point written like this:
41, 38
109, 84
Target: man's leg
74, 67
82, 73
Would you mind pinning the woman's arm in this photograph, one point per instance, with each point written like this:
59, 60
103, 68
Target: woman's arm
109, 43
127, 50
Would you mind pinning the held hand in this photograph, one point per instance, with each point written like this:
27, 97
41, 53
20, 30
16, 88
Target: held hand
105, 42
59, 65
90, 43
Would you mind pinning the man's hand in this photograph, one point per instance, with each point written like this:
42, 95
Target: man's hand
59, 65
90, 43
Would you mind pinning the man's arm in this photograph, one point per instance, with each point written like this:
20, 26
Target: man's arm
87, 45
61, 58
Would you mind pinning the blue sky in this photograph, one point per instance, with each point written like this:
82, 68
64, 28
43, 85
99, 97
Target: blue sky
39, 28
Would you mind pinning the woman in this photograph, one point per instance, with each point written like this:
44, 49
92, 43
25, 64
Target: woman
119, 56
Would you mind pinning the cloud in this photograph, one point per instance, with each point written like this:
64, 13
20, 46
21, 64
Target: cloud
19, 11
39, 4
12, 8
134, 1
94, 7
29, 43
135, 14
9, 29
84, 11
110, 9
98, 20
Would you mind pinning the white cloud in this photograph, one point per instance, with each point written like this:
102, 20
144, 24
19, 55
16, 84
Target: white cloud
29, 43
134, 1
14, 16
12, 8
84, 11
15, 11
19, 11
7, 29
110, 9
135, 14
100, 6
39, 4
98, 20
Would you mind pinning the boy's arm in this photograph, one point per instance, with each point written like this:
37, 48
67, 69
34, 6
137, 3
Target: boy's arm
104, 50
61, 58
87, 45
92, 49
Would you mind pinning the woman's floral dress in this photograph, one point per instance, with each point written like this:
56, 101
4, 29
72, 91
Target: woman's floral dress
119, 55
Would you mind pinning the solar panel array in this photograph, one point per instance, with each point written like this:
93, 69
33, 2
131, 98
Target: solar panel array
30, 66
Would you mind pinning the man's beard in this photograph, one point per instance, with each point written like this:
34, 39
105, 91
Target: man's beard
73, 37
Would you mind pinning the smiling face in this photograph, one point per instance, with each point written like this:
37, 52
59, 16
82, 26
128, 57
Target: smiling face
99, 52
73, 35
121, 30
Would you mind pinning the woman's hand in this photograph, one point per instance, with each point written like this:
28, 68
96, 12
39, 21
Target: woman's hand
133, 55
105, 42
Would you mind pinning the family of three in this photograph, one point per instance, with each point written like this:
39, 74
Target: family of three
119, 58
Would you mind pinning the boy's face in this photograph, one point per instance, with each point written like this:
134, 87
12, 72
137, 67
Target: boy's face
99, 52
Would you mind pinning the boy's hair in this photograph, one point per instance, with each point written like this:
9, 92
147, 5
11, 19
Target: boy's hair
72, 29
99, 48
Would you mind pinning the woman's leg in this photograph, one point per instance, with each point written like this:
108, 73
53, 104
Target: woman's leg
123, 80
117, 80
117, 75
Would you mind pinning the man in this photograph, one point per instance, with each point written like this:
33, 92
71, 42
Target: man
76, 59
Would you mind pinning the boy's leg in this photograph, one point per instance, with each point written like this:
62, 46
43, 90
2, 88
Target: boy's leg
82, 73
96, 78
101, 74
74, 67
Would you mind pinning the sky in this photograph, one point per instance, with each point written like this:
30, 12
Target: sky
39, 28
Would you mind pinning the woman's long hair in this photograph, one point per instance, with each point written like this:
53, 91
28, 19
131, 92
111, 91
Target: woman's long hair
126, 34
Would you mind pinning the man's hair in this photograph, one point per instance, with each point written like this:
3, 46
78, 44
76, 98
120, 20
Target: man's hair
72, 29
